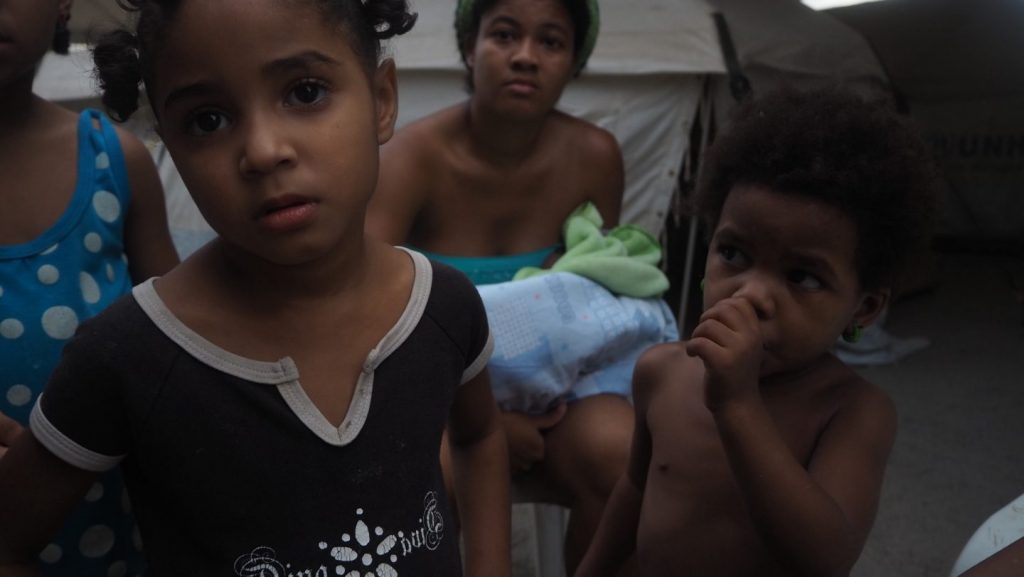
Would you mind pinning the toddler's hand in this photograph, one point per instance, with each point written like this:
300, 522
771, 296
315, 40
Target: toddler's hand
525, 435
9, 431
728, 340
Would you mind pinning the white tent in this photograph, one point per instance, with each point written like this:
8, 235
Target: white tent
785, 43
956, 64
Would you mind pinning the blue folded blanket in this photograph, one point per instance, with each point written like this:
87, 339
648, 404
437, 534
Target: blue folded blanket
561, 337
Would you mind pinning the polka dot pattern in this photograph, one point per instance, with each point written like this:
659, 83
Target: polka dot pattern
11, 329
60, 322
93, 242
97, 541
117, 569
51, 554
48, 274
19, 395
90, 288
95, 493
136, 538
79, 273
106, 205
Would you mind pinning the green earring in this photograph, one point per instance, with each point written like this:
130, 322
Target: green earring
701, 285
853, 334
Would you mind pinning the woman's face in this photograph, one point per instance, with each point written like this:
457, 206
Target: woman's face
522, 57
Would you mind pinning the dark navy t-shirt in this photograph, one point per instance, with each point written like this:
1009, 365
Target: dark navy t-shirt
231, 468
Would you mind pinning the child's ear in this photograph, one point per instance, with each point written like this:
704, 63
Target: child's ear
871, 305
385, 95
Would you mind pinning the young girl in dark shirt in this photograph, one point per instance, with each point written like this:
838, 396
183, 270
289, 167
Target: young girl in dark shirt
277, 401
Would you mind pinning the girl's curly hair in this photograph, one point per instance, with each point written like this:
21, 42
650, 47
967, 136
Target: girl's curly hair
125, 60
832, 146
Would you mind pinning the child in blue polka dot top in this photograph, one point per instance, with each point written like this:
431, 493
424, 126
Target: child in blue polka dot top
83, 218
277, 401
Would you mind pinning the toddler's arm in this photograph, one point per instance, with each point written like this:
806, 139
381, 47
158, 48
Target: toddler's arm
814, 520
147, 239
37, 492
615, 539
480, 465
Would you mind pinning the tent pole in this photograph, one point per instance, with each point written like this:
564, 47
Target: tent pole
691, 241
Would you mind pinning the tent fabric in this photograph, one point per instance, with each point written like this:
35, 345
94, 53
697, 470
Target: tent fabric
784, 41
90, 18
955, 64
637, 37
67, 79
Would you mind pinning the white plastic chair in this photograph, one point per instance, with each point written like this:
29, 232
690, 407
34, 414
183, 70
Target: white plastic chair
548, 521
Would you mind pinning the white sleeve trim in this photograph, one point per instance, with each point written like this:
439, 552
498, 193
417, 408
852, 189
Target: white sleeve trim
64, 448
481, 361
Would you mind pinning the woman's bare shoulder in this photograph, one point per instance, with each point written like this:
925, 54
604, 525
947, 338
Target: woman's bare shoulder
587, 137
427, 136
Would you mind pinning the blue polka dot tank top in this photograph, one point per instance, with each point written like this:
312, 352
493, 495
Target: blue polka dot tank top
48, 286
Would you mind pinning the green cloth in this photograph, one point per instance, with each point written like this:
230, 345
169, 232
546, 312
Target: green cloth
624, 261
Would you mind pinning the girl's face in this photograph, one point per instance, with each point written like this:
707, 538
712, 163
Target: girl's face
793, 259
523, 56
26, 32
273, 123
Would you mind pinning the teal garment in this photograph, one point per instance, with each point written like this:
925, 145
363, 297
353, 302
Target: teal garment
484, 270
48, 286
624, 261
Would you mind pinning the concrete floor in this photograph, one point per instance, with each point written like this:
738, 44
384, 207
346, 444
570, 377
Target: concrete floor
957, 457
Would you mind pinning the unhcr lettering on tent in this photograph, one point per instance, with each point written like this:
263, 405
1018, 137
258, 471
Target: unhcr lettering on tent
974, 146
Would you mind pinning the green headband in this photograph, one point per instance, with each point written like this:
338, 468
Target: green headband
464, 21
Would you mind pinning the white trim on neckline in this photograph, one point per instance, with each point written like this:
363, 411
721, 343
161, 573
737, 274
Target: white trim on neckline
283, 373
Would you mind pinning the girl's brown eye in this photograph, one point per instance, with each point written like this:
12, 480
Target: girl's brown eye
207, 122
306, 93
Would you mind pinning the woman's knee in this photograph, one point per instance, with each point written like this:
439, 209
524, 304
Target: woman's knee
590, 447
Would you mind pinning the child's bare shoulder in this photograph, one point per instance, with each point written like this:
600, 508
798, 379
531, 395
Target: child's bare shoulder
661, 364
856, 404
869, 403
855, 392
